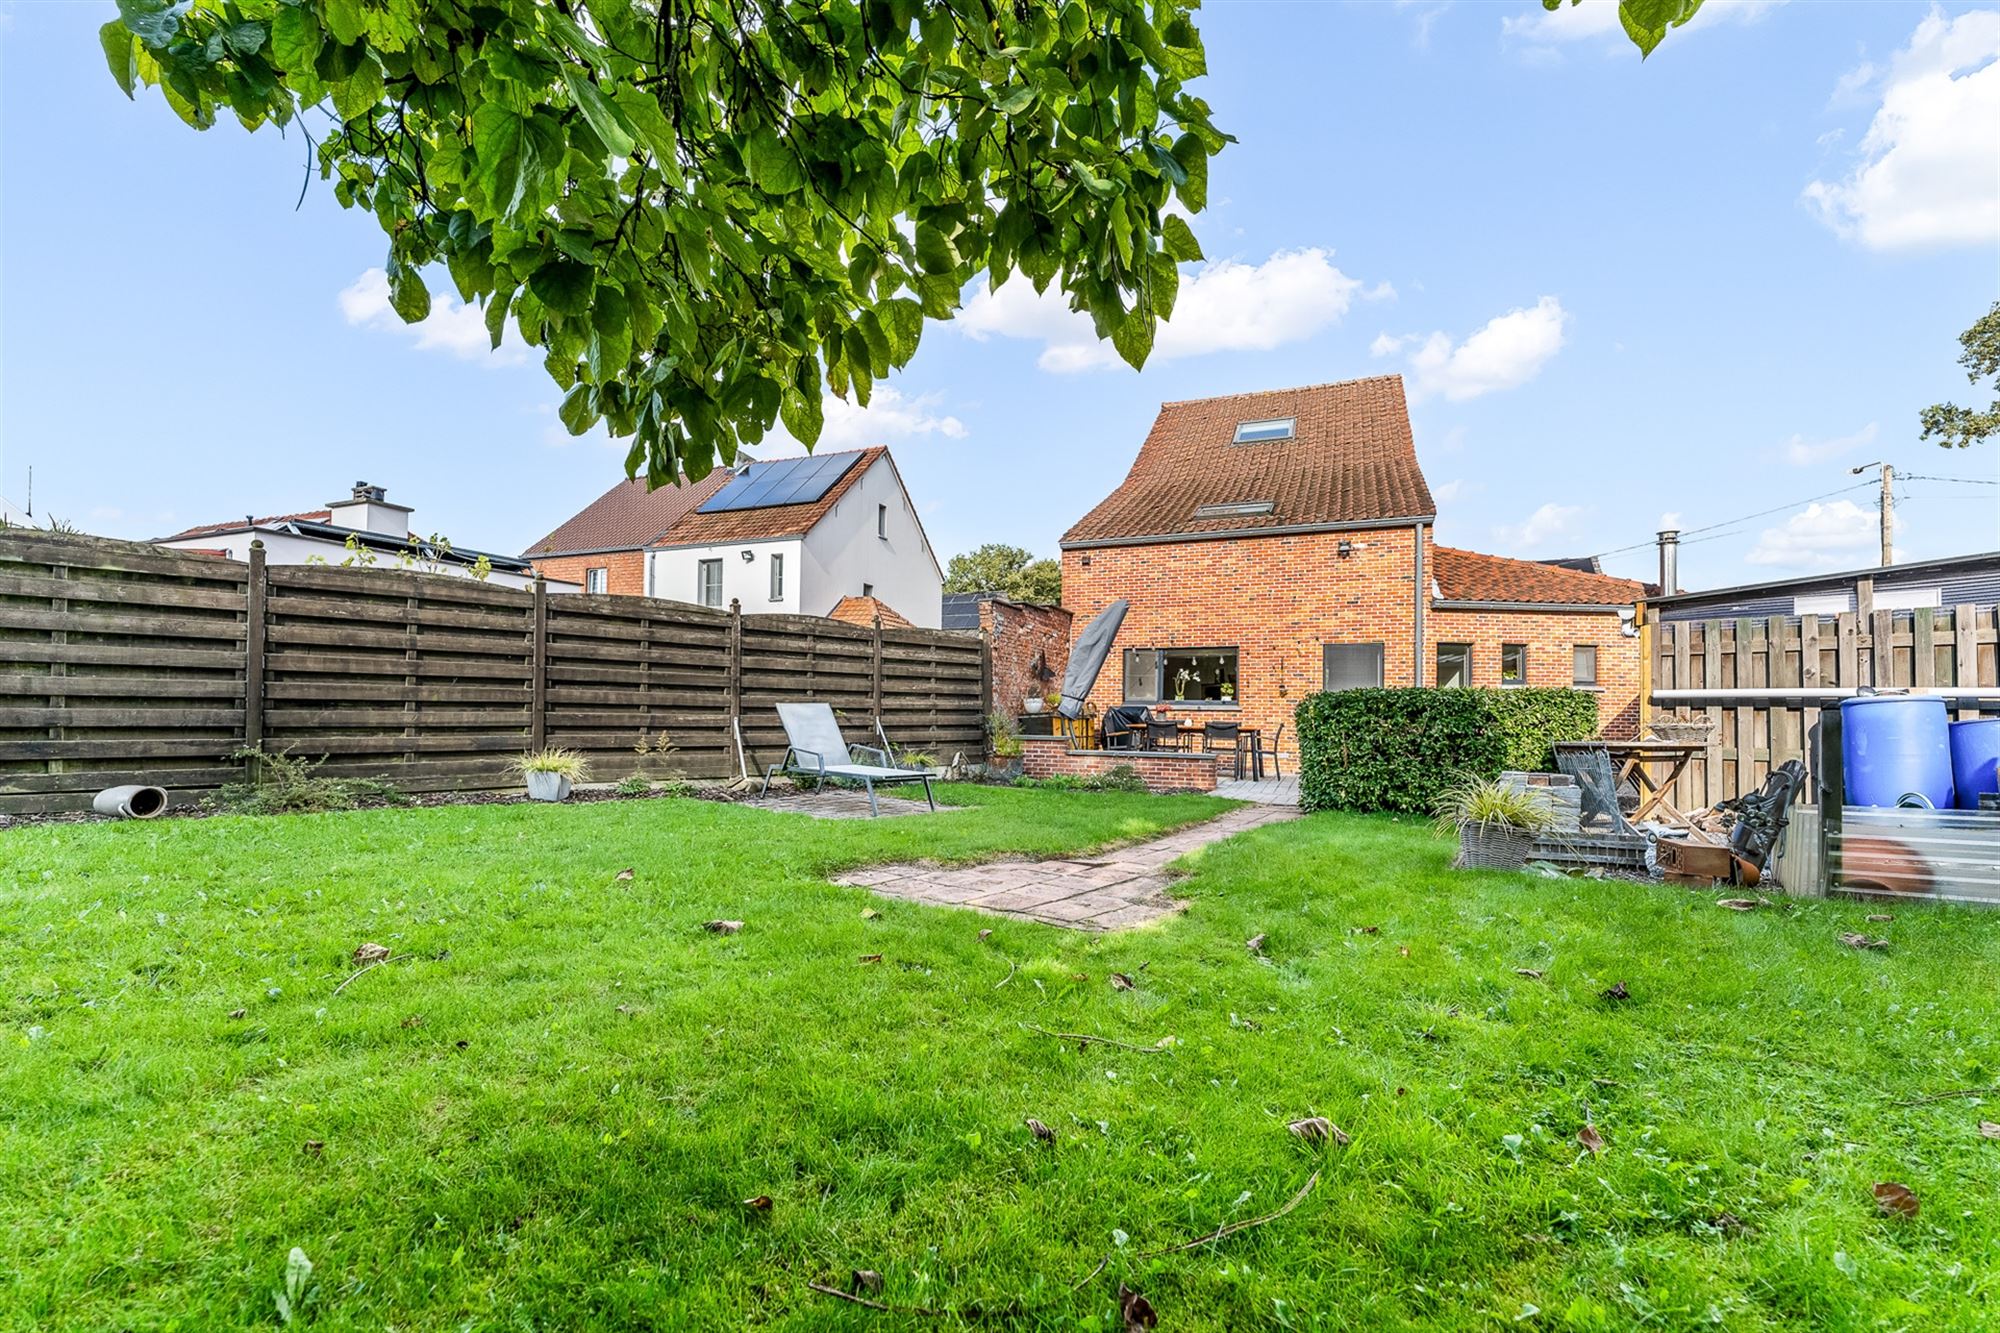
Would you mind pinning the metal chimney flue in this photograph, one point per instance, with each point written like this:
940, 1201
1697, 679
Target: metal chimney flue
1670, 561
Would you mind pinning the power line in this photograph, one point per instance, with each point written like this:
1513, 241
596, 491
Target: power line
1956, 481
1687, 533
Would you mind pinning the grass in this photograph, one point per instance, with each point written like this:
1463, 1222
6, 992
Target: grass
551, 1116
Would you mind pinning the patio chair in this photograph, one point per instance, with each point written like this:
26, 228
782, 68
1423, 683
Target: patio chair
815, 747
1226, 738
1257, 746
1163, 735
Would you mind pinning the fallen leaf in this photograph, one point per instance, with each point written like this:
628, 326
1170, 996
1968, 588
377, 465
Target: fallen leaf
1079, 976
1880, 917
1364, 930
760, 1204
414, 1021
314, 1147
1403, 949
1856, 940
461, 1043
1590, 1138
1616, 991
238, 1013
869, 958
1737, 904
1402, 1092
627, 1009
865, 1280
722, 927
1531, 973
1136, 1311
365, 954
1041, 1131
870, 914
1119, 981
1318, 1129
1729, 1224
1895, 1200
624, 874
1989, 1130
1255, 944
985, 934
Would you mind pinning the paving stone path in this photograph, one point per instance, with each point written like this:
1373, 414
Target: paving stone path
1123, 887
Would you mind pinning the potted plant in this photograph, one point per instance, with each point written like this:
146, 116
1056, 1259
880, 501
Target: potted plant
1053, 699
551, 774
1032, 704
1228, 693
1496, 824
1003, 747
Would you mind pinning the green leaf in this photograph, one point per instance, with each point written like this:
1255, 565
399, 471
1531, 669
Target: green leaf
497, 148
355, 97
496, 315
773, 166
646, 117
902, 322
935, 252
408, 296
295, 39
579, 409
1178, 239
563, 285
1133, 338
612, 127
154, 22
803, 415
611, 333
1646, 21
244, 38
1016, 101
344, 20
1192, 154
120, 53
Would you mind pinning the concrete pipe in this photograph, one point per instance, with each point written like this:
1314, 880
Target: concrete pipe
134, 802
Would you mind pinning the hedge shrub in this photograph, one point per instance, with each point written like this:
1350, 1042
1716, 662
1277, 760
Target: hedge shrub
1399, 749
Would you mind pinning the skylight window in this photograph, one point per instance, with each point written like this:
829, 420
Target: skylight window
1257, 432
1234, 509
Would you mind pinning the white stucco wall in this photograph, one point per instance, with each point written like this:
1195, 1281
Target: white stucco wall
285, 548
674, 574
844, 552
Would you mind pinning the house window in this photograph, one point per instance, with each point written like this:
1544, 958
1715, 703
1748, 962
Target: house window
1353, 666
867, 590
1586, 664
708, 583
777, 578
1454, 666
1234, 509
1180, 675
1513, 664
594, 580
882, 522
1257, 432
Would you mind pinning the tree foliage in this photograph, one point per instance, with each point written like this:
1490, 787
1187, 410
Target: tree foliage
1645, 21
1962, 426
707, 212
1008, 570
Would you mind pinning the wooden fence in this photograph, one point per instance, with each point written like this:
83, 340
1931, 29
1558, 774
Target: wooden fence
123, 662
1792, 666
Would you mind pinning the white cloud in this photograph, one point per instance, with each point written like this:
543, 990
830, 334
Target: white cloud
1821, 536
452, 327
1508, 351
1927, 173
1544, 525
1800, 451
1540, 31
889, 417
1225, 306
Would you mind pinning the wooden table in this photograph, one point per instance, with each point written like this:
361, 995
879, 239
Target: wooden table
1628, 762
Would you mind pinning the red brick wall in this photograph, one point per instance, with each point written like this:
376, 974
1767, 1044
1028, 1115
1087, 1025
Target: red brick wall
1020, 634
1277, 600
1045, 757
626, 574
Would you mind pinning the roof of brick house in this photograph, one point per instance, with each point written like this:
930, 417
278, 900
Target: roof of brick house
629, 517
863, 610
1467, 576
1347, 461
241, 525
768, 522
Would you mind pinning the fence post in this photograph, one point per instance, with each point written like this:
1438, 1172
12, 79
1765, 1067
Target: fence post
538, 667
255, 610
1864, 621
735, 662
875, 678
986, 704
1832, 782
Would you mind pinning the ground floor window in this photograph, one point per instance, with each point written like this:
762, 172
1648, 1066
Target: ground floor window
594, 580
1353, 666
777, 577
1454, 665
1180, 675
1513, 664
1586, 664
708, 583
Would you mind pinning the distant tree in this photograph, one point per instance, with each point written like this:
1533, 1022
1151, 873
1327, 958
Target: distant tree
1008, 570
1960, 426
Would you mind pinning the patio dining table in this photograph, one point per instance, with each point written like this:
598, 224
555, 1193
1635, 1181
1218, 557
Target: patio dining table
1630, 762
1250, 737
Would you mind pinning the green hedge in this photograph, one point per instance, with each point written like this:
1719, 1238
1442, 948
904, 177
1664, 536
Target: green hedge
1399, 749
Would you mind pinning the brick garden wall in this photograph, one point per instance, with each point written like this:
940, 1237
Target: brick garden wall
625, 577
1045, 757
1022, 636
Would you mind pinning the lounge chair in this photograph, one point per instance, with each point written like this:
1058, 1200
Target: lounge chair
816, 747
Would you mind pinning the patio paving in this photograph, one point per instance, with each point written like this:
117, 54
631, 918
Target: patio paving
1265, 791
1123, 887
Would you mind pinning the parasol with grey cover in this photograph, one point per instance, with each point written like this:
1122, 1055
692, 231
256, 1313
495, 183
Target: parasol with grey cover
1086, 657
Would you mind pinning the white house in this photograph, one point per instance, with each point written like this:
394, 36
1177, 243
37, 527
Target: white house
800, 534
380, 534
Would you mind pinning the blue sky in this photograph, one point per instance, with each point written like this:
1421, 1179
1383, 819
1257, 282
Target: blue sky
1706, 285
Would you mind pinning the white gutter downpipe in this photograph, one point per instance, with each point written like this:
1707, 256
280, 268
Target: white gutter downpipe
1417, 630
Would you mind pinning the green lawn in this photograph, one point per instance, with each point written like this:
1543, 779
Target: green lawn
550, 1118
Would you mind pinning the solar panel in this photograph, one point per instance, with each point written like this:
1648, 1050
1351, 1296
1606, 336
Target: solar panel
783, 481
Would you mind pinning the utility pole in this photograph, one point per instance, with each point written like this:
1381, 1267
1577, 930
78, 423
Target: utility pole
1888, 507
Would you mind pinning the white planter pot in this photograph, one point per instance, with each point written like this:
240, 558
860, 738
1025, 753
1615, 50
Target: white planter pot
547, 787
1031, 705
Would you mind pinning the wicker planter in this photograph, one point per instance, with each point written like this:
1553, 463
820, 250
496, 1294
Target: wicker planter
1492, 847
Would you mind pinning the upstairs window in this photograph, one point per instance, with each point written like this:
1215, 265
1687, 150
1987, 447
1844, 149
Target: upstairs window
1513, 664
1586, 664
594, 580
777, 578
1257, 432
882, 522
708, 583
1234, 509
1353, 666
1454, 666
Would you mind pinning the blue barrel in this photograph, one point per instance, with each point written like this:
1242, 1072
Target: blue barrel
1895, 745
1975, 759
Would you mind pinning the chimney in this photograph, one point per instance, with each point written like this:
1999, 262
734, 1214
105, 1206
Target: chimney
367, 509
1670, 560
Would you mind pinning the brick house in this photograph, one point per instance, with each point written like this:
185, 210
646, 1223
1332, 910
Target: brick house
1273, 544
603, 548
